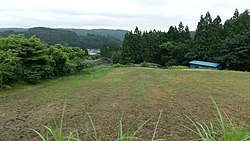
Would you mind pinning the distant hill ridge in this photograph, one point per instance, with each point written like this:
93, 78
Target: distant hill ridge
115, 33
95, 39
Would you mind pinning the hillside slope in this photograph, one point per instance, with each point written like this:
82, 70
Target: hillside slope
136, 93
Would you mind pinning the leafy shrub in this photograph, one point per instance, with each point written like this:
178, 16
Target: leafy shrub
144, 64
9, 64
32, 60
119, 65
31, 76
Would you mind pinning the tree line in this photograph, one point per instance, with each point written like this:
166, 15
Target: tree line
228, 44
31, 60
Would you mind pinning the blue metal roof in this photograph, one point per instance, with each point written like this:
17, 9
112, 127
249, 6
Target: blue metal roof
203, 63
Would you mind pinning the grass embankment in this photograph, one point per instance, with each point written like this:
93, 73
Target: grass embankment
136, 93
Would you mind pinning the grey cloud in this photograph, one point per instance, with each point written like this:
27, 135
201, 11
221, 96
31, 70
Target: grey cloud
147, 14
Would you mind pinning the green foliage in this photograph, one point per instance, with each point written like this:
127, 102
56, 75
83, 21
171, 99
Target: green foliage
117, 34
117, 56
9, 65
32, 60
207, 39
36, 63
32, 52
236, 47
67, 60
96, 41
228, 44
144, 64
53, 36
61, 63
172, 53
132, 47
109, 49
150, 46
236, 52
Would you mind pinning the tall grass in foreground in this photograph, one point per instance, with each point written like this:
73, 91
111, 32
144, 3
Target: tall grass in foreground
55, 133
223, 130
226, 131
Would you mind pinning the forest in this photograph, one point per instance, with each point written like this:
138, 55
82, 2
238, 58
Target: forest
52, 52
228, 44
94, 39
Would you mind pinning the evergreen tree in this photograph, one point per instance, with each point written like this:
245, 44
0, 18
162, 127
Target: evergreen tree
236, 47
173, 34
207, 39
132, 47
107, 50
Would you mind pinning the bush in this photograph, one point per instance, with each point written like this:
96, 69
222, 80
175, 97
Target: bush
119, 65
150, 65
32, 60
8, 67
31, 76
144, 64
177, 67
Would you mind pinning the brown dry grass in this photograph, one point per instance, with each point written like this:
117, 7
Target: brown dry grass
138, 93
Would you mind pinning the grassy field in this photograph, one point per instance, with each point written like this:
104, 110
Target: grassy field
136, 93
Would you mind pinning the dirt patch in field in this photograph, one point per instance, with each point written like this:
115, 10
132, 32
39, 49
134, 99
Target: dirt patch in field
132, 94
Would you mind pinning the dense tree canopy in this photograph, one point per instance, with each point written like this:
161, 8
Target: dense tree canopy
32, 60
156, 46
227, 43
236, 47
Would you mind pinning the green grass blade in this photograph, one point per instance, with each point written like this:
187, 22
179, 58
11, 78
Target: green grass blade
96, 137
246, 139
60, 135
120, 135
41, 136
197, 128
212, 130
221, 118
70, 137
47, 135
52, 131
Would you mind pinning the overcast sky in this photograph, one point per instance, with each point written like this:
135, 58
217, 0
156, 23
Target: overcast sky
113, 14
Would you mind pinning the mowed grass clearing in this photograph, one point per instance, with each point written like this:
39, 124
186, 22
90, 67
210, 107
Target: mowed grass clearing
136, 93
